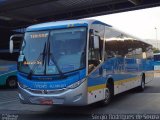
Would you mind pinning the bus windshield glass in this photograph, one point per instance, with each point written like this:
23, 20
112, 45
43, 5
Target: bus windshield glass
53, 52
157, 57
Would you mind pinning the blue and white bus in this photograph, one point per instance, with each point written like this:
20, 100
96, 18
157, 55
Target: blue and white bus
156, 61
79, 62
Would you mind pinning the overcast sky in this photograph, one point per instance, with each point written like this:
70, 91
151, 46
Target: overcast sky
139, 23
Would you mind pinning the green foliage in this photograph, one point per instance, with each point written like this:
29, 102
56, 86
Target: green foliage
156, 50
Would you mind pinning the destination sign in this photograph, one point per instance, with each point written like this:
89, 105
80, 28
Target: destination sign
39, 35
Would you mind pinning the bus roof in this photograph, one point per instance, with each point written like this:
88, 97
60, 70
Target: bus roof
73, 23
64, 24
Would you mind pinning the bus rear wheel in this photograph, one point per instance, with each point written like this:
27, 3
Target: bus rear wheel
142, 86
12, 82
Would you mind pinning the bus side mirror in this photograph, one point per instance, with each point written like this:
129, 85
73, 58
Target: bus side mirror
11, 46
11, 42
96, 42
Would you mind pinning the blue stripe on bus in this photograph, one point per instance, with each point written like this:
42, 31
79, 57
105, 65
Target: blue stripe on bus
129, 66
57, 27
102, 80
53, 84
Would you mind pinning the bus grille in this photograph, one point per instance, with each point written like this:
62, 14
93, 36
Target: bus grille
58, 91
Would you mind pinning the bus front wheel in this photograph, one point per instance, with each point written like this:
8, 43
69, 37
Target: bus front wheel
109, 93
12, 82
107, 96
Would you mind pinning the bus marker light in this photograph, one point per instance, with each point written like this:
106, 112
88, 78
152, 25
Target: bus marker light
46, 102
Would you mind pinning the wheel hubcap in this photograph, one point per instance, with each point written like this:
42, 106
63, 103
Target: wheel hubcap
143, 84
12, 83
107, 95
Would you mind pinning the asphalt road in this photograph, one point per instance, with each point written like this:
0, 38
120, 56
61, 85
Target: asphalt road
130, 102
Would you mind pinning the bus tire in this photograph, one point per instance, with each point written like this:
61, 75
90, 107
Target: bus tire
12, 82
109, 93
142, 86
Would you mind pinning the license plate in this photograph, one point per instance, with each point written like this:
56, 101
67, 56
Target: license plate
46, 102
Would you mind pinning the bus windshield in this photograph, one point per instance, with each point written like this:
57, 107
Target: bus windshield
53, 52
157, 57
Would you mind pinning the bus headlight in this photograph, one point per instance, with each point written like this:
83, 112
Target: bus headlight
22, 85
76, 84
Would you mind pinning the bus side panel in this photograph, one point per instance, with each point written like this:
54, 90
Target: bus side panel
96, 85
125, 75
126, 83
123, 81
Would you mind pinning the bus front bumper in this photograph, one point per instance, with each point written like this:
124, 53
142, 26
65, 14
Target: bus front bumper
75, 97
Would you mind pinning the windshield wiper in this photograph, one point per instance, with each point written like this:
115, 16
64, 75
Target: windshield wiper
54, 61
35, 65
43, 55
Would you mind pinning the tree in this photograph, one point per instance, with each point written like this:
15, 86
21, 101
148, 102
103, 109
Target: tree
156, 50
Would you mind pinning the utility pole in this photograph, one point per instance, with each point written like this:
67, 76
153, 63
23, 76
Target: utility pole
156, 37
